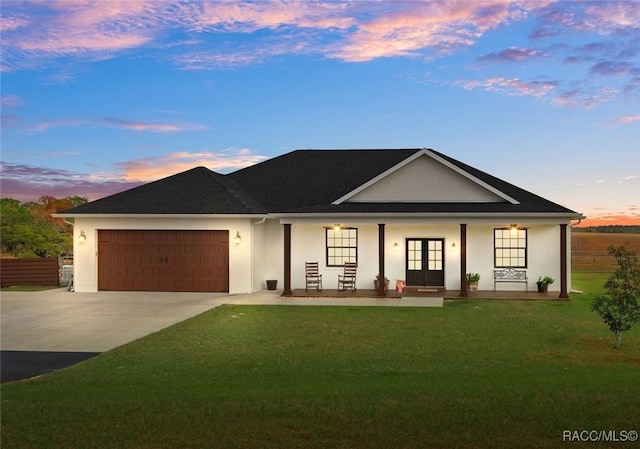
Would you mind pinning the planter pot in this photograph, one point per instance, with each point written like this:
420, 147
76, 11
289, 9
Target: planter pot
543, 288
472, 287
376, 284
272, 284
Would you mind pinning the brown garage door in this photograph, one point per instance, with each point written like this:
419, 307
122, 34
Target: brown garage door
171, 261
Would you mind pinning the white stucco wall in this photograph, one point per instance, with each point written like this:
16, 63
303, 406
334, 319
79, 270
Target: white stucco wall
308, 244
543, 248
86, 254
260, 255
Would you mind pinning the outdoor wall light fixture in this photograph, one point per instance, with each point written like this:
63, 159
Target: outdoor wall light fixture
82, 237
514, 228
396, 247
337, 227
453, 246
237, 239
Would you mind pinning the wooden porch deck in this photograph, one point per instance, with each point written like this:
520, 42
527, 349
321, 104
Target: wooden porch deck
428, 293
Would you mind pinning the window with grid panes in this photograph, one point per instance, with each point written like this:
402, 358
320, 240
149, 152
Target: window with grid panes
342, 246
510, 248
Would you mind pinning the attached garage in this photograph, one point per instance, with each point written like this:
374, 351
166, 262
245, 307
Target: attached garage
158, 260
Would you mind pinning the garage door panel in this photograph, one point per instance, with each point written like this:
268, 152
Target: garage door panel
139, 260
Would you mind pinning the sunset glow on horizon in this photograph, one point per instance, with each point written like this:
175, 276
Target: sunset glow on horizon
99, 97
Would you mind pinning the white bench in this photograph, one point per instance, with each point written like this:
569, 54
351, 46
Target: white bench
510, 275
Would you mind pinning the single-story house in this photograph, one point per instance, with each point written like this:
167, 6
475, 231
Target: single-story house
409, 214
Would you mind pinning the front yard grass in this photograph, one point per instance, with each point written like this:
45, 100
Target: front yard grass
471, 374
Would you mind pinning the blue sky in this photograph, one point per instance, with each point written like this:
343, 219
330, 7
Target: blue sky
98, 97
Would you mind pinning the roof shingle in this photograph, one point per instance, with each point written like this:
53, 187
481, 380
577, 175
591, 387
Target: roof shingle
304, 182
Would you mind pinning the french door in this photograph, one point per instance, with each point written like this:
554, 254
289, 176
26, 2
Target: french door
425, 262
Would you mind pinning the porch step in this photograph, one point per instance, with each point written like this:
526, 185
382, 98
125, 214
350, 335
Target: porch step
424, 289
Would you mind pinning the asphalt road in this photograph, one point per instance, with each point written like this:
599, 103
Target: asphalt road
19, 365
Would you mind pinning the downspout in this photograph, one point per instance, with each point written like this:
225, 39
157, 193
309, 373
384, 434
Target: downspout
252, 250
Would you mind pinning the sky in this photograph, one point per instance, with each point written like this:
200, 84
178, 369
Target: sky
101, 96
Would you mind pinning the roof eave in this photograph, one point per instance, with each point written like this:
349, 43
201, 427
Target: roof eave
439, 215
194, 215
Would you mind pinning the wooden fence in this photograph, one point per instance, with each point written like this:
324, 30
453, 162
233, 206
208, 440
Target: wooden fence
593, 261
39, 271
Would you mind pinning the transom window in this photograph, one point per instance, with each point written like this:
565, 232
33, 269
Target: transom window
510, 247
342, 246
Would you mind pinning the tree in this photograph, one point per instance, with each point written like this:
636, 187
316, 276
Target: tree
620, 307
29, 230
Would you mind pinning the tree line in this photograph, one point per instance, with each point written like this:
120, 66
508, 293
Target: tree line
29, 230
611, 229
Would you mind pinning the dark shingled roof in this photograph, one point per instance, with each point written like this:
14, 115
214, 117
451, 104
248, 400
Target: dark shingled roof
195, 191
310, 178
303, 181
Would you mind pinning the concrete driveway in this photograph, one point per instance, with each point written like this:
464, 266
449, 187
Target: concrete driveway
48, 330
59, 320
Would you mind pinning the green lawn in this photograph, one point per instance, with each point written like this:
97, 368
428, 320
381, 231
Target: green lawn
471, 374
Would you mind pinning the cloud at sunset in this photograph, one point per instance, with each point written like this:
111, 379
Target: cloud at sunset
113, 122
27, 182
625, 119
120, 92
512, 54
354, 32
512, 86
152, 168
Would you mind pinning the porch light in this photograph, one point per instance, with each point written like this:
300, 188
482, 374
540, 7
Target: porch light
514, 228
453, 246
237, 239
82, 237
337, 227
396, 247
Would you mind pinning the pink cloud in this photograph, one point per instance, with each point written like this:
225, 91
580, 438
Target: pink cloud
59, 28
602, 17
252, 16
625, 119
512, 86
614, 68
11, 101
28, 183
122, 124
512, 54
419, 26
148, 169
11, 22
586, 98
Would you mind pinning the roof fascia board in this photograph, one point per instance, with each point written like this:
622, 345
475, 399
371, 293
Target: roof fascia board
431, 154
458, 217
203, 216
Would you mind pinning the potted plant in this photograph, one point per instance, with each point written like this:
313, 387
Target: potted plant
472, 281
272, 284
376, 283
543, 283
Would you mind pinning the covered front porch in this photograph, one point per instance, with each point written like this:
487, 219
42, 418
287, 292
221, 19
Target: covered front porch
382, 254
427, 293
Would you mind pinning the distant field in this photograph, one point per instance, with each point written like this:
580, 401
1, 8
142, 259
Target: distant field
589, 249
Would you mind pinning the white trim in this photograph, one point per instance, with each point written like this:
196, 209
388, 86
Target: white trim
423, 215
196, 216
413, 157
